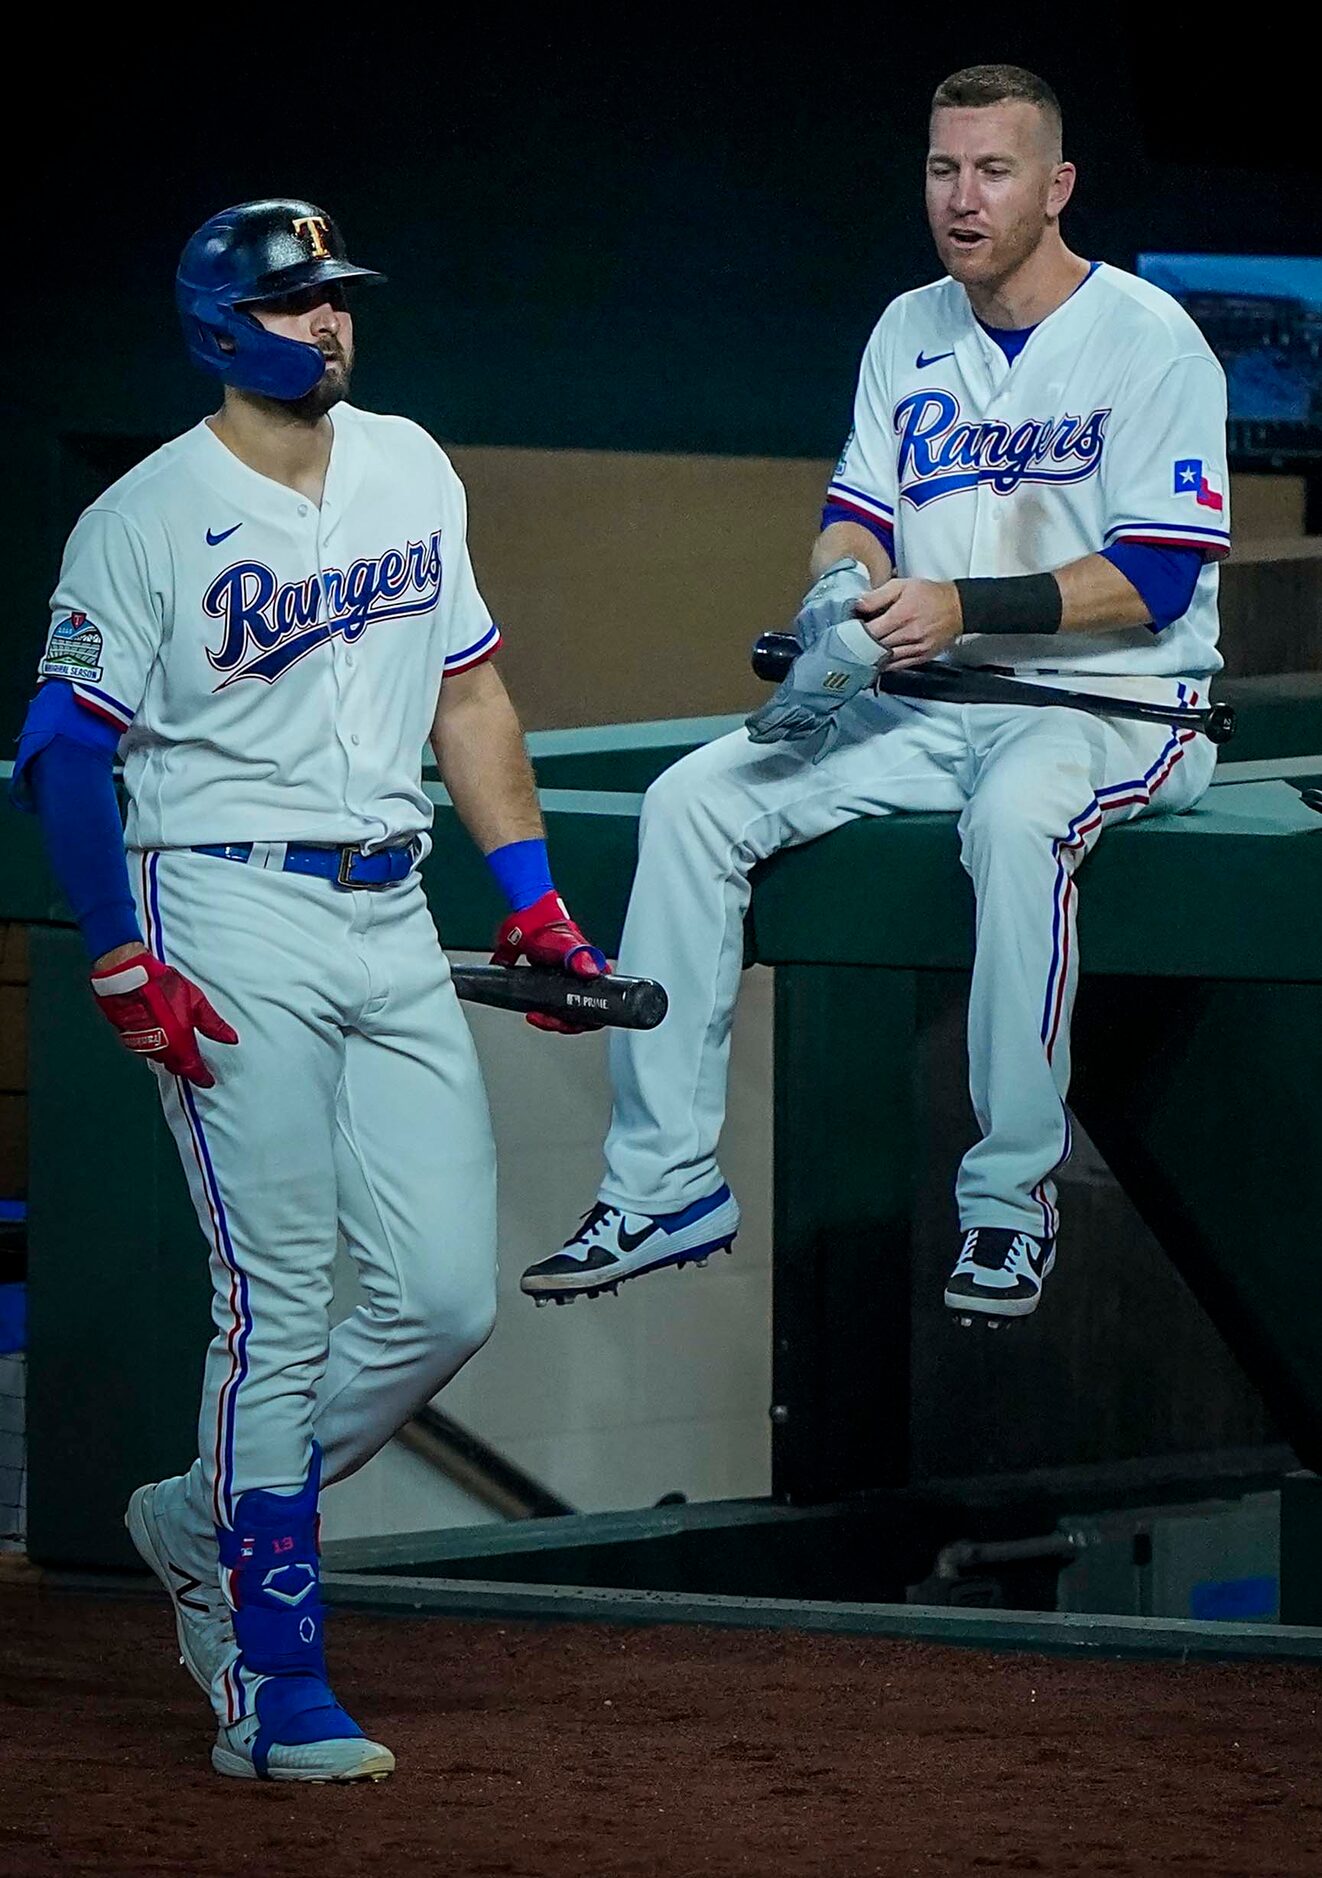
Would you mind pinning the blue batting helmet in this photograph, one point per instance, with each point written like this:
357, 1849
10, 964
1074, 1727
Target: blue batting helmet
256, 252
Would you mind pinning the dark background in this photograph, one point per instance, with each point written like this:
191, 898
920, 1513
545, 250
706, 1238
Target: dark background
600, 233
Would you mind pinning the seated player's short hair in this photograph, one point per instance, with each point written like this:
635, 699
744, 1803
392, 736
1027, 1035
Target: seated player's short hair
979, 85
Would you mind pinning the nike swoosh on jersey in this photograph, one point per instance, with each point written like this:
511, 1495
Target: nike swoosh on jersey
214, 541
630, 1241
935, 359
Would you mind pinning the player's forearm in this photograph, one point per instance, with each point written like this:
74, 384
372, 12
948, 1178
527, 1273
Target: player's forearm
478, 744
63, 775
851, 541
1089, 595
1095, 596
916, 619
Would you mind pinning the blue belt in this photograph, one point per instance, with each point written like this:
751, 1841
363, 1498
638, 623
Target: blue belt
347, 867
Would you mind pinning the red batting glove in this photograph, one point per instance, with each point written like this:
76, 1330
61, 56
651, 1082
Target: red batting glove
157, 1012
544, 934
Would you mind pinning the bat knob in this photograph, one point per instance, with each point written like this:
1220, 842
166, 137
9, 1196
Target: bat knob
773, 654
650, 1004
1220, 723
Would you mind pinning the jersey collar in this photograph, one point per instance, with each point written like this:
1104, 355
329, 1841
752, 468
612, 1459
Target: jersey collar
263, 495
997, 367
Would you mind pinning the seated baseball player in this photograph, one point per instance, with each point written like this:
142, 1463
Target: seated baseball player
268, 618
1035, 483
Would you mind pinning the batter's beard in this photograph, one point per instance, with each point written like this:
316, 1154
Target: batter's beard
330, 389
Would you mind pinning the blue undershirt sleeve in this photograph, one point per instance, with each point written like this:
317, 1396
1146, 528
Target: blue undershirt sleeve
63, 774
523, 872
884, 531
1163, 578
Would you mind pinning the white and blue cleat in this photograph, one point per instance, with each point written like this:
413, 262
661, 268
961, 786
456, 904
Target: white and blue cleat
611, 1246
337, 1761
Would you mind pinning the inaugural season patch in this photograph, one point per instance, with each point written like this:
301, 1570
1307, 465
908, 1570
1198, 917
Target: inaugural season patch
74, 650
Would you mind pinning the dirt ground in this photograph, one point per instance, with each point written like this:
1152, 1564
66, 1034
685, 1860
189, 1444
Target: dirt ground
530, 1751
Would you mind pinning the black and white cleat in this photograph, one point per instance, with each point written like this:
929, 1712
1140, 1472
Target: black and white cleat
998, 1276
611, 1247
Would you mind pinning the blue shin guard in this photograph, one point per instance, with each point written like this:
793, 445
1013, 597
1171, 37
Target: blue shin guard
270, 1556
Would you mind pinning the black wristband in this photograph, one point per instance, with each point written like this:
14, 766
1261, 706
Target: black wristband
1020, 603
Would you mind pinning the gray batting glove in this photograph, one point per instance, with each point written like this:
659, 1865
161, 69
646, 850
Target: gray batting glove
831, 599
844, 661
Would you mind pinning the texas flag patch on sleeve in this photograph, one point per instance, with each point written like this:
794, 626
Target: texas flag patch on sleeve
1193, 478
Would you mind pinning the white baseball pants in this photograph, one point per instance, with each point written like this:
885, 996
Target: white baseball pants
1033, 787
351, 1108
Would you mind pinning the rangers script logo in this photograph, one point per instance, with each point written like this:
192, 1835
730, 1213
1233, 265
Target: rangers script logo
269, 627
940, 456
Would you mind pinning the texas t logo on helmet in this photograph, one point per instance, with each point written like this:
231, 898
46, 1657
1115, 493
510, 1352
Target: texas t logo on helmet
317, 228
248, 256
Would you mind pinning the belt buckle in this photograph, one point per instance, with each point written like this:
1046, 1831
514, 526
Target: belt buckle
344, 873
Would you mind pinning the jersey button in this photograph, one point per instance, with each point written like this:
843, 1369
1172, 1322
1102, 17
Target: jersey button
354, 739
302, 508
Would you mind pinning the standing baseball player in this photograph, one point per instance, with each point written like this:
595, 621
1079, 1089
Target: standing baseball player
1036, 483
269, 617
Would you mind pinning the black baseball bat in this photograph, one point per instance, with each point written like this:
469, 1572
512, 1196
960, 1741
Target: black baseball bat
623, 1003
774, 653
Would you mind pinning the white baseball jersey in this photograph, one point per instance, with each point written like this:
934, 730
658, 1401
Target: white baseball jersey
275, 666
1109, 426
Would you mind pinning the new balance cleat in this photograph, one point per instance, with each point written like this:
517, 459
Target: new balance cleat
999, 1275
611, 1246
201, 1615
